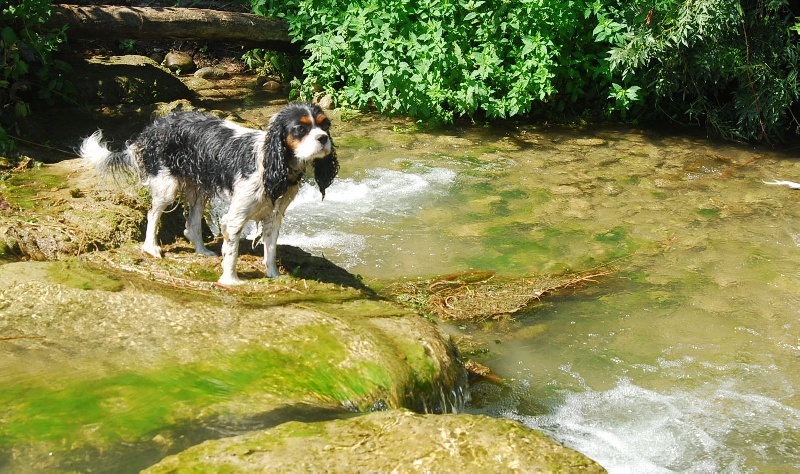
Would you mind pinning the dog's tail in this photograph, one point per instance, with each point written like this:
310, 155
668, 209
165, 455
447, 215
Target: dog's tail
96, 151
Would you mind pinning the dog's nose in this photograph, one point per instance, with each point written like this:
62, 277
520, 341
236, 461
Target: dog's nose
323, 139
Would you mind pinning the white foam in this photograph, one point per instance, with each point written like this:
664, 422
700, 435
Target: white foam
630, 429
376, 197
373, 194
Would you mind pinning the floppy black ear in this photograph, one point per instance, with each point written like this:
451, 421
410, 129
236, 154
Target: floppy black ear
276, 168
325, 170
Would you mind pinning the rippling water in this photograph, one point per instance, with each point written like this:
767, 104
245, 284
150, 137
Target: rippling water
684, 361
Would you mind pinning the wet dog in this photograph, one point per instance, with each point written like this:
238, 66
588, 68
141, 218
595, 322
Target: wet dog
258, 172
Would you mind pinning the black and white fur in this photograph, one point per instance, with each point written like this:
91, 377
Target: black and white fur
259, 172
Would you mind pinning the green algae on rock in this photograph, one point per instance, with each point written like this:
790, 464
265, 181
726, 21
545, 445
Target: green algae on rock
49, 217
117, 360
389, 441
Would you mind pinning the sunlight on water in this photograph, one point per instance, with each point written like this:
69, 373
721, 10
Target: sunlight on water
686, 361
375, 199
714, 428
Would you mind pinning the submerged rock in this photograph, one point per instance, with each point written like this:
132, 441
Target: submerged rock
392, 441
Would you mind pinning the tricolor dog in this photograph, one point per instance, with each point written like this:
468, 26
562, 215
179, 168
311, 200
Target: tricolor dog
259, 172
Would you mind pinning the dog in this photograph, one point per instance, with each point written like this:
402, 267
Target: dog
258, 172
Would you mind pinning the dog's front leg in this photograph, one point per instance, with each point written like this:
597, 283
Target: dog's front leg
231, 226
270, 228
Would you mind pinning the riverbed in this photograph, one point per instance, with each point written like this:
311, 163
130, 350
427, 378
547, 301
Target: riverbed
683, 360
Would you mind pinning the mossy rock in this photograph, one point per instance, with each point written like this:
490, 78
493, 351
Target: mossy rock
124, 367
64, 209
392, 441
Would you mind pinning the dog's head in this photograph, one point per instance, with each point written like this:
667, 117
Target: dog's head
299, 137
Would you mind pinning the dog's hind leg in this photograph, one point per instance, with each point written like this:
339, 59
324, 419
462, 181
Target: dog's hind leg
163, 189
196, 201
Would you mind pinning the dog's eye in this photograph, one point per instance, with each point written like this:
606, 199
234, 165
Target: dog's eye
300, 130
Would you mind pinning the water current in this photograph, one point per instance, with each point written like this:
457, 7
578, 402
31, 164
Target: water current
684, 360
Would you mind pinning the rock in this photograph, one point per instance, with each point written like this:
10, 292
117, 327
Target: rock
325, 101
212, 73
112, 334
130, 79
180, 62
391, 441
157, 57
272, 86
75, 212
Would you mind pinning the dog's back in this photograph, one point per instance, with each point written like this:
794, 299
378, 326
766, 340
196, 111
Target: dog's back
198, 149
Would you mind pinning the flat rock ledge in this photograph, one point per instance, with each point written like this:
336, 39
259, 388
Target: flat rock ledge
390, 441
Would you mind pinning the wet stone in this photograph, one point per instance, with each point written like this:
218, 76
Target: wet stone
406, 442
178, 61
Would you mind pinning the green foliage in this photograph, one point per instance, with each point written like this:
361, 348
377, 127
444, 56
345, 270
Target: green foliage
26, 52
440, 59
731, 65
272, 63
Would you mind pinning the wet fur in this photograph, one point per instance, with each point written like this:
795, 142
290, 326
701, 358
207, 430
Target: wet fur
259, 172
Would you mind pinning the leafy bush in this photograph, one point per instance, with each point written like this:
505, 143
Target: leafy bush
730, 65
441, 59
27, 62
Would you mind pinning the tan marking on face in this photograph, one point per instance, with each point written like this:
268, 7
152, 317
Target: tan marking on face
292, 142
320, 118
305, 120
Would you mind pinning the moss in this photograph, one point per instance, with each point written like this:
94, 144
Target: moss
75, 274
368, 143
128, 407
708, 213
27, 190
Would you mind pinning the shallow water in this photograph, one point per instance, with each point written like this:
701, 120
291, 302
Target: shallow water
682, 361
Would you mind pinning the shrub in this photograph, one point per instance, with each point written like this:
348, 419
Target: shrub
27, 63
730, 65
440, 59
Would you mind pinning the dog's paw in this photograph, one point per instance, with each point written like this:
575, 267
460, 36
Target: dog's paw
153, 250
207, 252
273, 272
230, 280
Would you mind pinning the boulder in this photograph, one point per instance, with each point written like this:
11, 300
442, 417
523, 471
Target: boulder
389, 441
180, 62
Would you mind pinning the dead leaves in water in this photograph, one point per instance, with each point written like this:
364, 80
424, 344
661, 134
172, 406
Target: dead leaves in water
481, 295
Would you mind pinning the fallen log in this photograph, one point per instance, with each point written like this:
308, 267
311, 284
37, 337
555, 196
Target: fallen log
148, 23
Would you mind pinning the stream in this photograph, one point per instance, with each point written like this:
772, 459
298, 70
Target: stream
683, 360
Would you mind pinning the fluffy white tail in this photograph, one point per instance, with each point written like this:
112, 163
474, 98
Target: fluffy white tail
96, 152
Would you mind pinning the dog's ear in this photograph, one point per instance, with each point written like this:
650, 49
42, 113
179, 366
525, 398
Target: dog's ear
325, 170
276, 167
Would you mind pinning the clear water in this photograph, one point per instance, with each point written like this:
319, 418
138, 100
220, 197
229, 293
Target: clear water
686, 360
